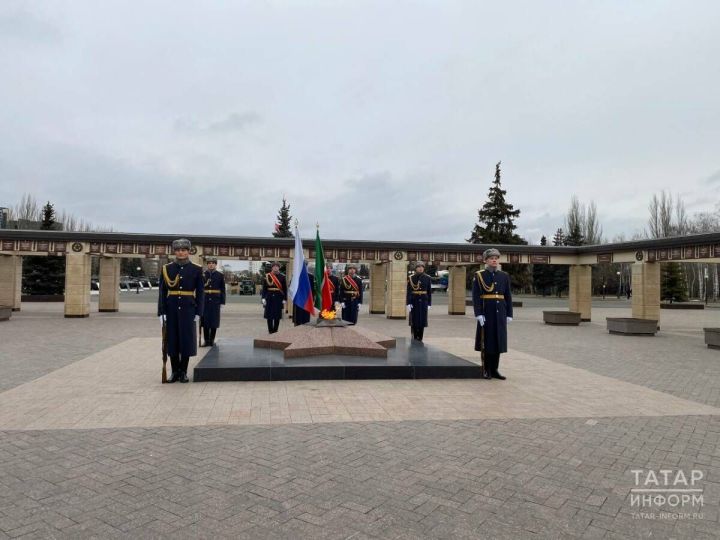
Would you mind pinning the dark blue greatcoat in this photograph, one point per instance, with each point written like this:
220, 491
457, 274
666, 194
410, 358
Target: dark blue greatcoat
419, 296
300, 316
495, 311
274, 296
214, 298
352, 296
180, 310
335, 282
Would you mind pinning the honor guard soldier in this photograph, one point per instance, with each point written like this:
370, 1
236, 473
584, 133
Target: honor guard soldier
492, 302
180, 305
274, 297
334, 284
300, 316
351, 295
419, 300
214, 298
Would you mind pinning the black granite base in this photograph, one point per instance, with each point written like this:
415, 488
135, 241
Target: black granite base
235, 359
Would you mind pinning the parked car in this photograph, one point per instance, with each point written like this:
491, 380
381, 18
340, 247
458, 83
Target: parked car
246, 287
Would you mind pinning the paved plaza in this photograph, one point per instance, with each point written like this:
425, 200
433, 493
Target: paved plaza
92, 445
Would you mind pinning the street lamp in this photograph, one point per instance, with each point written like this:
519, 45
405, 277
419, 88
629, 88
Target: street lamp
705, 275
619, 284
137, 286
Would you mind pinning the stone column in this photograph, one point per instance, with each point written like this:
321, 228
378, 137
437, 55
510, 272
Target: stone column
197, 258
109, 298
646, 291
580, 290
378, 276
18, 283
77, 284
10, 281
396, 289
456, 290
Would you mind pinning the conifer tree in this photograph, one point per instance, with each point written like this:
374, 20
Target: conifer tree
44, 275
282, 225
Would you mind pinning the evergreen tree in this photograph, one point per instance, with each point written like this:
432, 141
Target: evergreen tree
44, 275
674, 285
496, 226
575, 236
282, 226
542, 274
496, 219
560, 273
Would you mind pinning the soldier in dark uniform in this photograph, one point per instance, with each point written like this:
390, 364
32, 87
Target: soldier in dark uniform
419, 300
180, 305
274, 297
214, 298
492, 302
334, 284
351, 295
300, 316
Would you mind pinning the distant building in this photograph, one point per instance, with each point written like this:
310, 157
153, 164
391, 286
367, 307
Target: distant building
4, 217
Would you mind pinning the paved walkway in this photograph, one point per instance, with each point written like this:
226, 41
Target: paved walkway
86, 395
91, 445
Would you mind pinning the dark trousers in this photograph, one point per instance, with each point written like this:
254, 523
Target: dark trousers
492, 362
209, 335
179, 363
417, 332
273, 325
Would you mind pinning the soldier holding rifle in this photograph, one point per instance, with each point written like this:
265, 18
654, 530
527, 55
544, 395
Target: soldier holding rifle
492, 302
180, 305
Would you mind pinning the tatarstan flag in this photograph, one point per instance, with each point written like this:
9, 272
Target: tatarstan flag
323, 293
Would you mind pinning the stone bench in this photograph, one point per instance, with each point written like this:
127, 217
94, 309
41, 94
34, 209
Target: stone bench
712, 338
5, 313
682, 305
561, 318
630, 326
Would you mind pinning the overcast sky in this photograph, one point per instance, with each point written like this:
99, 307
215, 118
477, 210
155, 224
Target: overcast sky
380, 120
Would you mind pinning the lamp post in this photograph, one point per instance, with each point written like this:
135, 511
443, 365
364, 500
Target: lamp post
619, 283
137, 287
705, 275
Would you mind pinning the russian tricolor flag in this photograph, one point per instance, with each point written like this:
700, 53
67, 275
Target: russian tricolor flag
300, 290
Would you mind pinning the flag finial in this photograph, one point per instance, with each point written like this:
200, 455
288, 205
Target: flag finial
317, 225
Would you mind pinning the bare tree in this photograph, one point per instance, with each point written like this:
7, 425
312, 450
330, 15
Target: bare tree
592, 229
28, 208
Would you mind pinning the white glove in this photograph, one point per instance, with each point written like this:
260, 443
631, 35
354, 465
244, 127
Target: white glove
342, 305
264, 302
429, 307
509, 319
359, 306
409, 308
481, 319
197, 318
162, 319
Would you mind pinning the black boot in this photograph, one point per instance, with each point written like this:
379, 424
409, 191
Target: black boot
497, 375
184, 378
173, 377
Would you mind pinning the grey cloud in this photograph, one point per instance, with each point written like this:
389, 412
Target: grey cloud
713, 178
25, 27
234, 122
